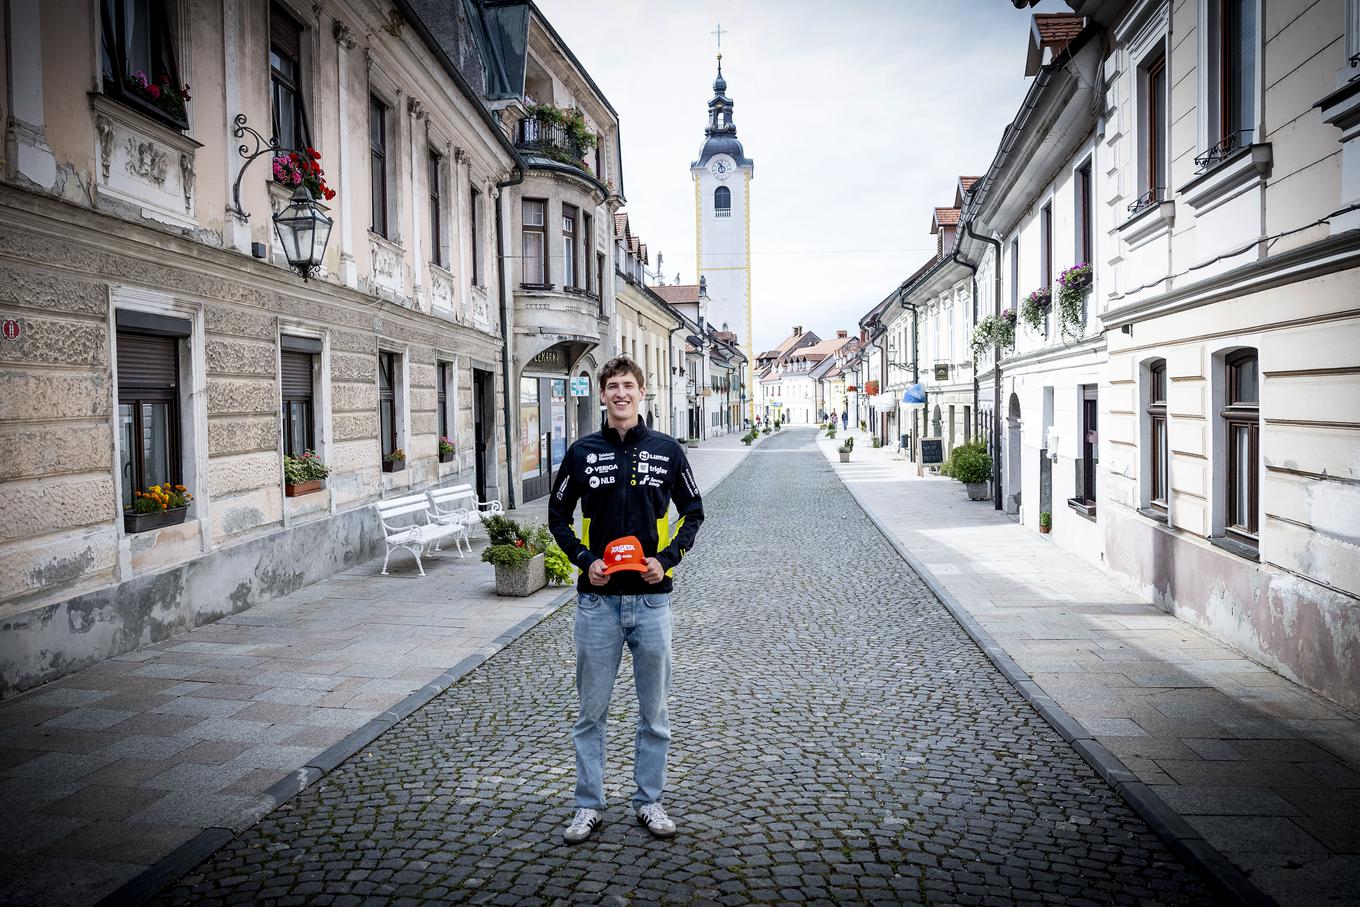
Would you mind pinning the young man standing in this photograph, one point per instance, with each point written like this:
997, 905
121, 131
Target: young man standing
625, 477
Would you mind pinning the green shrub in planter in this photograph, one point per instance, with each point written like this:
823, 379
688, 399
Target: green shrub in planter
513, 545
849, 444
877, 443
831, 432
970, 464
558, 566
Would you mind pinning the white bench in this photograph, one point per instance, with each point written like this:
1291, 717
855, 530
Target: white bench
479, 507
408, 523
455, 507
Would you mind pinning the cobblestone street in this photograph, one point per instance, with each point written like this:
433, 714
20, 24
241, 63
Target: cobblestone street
837, 738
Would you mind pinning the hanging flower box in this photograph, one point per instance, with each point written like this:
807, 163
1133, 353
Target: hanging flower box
300, 488
144, 522
871, 388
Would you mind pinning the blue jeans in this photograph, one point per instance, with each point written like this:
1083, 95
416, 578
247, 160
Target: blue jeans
603, 624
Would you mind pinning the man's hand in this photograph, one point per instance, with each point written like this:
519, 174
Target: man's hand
655, 572
596, 573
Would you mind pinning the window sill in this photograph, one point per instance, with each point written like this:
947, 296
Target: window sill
577, 291
537, 286
1149, 223
146, 109
1232, 546
1082, 508
1159, 516
1244, 169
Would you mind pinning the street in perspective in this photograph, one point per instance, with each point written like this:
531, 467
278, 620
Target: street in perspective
403, 507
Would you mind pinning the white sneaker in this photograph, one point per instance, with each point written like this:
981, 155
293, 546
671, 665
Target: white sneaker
653, 815
582, 826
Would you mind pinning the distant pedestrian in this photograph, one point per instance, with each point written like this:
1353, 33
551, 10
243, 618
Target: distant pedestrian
625, 477
845, 420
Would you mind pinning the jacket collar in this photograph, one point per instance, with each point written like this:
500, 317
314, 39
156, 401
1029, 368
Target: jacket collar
632, 436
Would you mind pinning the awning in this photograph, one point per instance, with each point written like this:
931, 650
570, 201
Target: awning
885, 403
914, 395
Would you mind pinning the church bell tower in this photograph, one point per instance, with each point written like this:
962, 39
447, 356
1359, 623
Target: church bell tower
722, 226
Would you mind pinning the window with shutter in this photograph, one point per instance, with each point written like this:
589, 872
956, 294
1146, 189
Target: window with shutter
299, 423
148, 411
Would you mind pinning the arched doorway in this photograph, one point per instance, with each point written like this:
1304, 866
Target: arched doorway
1013, 424
587, 404
936, 424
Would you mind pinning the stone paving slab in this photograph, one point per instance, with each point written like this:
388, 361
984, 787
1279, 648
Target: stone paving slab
1264, 770
105, 772
837, 738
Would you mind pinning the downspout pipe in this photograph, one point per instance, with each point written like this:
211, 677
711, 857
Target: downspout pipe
996, 354
959, 259
515, 179
915, 371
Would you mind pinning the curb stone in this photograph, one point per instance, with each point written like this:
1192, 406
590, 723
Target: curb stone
1187, 843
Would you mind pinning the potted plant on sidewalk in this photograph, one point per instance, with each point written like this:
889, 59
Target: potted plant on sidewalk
970, 464
1045, 522
304, 474
518, 553
395, 461
845, 448
160, 505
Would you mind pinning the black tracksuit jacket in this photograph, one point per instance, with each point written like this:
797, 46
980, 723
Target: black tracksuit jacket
625, 486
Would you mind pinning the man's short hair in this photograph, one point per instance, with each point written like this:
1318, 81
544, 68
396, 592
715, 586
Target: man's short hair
618, 366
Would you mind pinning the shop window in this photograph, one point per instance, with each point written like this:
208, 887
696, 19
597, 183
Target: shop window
389, 384
1241, 415
297, 366
148, 353
1158, 458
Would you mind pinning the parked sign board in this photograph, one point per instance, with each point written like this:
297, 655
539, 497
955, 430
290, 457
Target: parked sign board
932, 451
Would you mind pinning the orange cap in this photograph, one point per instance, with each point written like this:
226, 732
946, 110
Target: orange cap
624, 554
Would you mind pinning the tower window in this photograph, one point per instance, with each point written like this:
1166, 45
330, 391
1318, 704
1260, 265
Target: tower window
722, 202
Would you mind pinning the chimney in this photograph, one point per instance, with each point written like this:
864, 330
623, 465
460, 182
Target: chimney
841, 335
863, 335
798, 330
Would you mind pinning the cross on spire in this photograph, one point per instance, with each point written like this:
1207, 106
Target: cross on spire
719, 33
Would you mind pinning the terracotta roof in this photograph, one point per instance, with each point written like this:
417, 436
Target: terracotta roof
966, 182
1056, 29
1051, 32
677, 293
944, 217
620, 224
633, 244
823, 349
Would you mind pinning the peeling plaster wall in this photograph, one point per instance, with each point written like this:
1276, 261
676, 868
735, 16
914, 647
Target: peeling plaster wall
1305, 631
45, 643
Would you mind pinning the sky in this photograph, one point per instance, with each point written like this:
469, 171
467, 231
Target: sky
860, 116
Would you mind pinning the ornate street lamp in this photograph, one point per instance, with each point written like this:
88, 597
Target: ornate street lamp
303, 231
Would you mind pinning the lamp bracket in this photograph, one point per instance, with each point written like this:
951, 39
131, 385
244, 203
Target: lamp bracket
261, 147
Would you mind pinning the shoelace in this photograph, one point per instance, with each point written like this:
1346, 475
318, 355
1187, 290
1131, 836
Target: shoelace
582, 819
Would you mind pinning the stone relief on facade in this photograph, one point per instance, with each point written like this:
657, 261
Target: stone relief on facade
441, 291
481, 313
385, 261
344, 35
147, 161
186, 173
105, 131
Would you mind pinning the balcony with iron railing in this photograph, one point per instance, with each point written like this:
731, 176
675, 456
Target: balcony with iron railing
539, 135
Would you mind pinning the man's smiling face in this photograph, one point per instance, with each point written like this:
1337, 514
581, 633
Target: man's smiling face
622, 395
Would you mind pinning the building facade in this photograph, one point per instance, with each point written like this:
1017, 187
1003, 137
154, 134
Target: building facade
1231, 312
163, 339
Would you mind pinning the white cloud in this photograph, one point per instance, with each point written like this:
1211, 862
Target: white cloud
859, 115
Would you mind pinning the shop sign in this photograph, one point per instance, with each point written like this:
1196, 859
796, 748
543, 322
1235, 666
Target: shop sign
11, 329
580, 386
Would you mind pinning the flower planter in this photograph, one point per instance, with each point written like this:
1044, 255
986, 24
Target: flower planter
447, 457
977, 491
394, 465
302, 488
691, 443
845, 456
1045, 530
523, 580
144, 522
